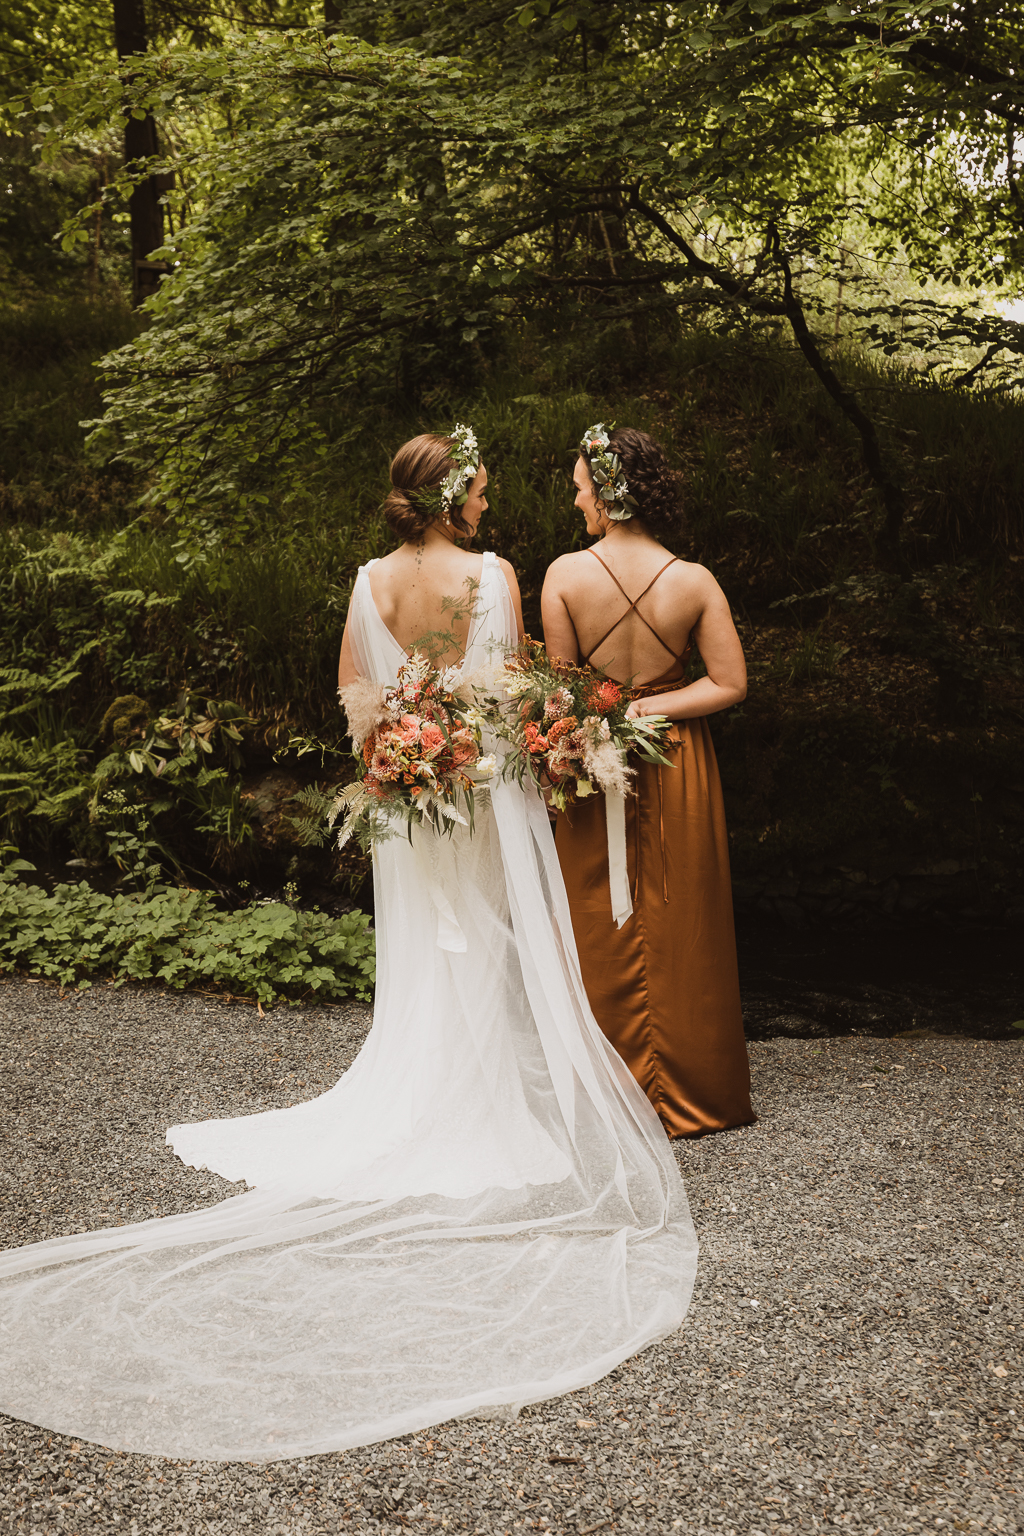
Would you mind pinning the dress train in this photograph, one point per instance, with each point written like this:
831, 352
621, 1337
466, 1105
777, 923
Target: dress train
483, 1212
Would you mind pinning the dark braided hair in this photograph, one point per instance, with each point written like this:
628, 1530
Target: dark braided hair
657, 488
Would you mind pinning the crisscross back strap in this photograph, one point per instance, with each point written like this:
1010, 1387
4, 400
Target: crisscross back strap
633, 609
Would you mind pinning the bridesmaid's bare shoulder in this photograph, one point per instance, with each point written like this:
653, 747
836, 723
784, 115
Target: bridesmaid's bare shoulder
564, 569
691, 579
693, 572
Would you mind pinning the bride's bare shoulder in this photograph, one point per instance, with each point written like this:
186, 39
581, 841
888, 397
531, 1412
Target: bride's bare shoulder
385, 564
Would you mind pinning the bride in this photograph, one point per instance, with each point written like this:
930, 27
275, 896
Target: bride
483, 1212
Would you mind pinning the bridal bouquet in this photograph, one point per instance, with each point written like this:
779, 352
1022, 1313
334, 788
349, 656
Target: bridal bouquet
421, 748
570, 724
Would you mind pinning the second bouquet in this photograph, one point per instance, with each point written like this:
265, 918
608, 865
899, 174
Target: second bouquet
568, 727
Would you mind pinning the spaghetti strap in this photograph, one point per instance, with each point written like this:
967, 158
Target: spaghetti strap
634, 609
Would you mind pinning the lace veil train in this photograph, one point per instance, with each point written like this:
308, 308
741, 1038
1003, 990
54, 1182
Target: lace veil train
484, 1211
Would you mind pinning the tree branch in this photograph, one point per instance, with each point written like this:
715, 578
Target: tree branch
891, 492
734, 287
965, 378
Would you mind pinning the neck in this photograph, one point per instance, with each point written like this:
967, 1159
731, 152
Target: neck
620, 533
435, 535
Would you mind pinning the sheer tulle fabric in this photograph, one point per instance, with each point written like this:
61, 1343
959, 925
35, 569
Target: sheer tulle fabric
483, 1212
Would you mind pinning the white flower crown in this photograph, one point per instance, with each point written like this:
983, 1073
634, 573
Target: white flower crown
466, 453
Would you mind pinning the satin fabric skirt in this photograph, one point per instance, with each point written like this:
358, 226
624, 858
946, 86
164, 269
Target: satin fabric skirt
665, 987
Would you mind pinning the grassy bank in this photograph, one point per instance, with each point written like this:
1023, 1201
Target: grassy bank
884, 717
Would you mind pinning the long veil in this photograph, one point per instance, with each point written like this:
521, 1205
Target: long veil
484, 1211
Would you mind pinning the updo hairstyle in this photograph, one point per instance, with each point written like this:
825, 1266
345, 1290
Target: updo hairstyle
422, 464
657, 489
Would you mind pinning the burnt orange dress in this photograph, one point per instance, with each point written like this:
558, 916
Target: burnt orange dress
665, 987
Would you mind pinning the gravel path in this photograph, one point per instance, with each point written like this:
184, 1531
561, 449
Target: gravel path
852, 1359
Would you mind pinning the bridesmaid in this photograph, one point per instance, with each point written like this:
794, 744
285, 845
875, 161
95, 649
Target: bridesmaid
664, 987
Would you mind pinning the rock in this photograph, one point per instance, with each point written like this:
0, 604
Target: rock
822, 886
944, 868
791, 913
269, 798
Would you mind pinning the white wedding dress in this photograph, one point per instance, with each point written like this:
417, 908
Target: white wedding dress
483, 1212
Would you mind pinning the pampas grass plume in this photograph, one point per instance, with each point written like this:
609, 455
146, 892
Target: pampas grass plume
607, 766
364, 706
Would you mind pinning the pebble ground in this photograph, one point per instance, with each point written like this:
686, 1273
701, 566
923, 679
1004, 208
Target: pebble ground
852, 1359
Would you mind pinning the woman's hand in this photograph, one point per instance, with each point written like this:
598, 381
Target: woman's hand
545, 786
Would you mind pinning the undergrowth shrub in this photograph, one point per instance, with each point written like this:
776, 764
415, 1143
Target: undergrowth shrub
48, 384
178, 937
116, 605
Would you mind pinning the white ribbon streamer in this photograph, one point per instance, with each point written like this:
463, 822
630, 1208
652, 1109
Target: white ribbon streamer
618, 875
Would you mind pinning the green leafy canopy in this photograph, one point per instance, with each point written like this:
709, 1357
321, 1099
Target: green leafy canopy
348, 207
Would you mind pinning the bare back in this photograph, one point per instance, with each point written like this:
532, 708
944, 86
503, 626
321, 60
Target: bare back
428, 588
410, 587
640, 643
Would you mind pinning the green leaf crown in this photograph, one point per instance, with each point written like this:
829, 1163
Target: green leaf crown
606, 468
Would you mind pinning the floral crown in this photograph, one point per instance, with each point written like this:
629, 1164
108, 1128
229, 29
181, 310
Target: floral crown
606, 468
465, 452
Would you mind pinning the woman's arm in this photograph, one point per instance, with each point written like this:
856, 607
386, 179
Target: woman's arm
560, 640
513, 590
722, 653
347, 672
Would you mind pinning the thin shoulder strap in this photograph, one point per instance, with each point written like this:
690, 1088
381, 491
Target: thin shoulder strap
632, 607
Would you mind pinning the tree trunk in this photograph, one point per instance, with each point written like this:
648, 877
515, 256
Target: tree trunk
140, 141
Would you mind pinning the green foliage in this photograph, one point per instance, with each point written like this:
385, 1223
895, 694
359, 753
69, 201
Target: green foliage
917, 619
42, 780
563, 212
807, 780
120, 645
167, 763
130, 844
179, 938
48, 384
365, 211
813, 659
176, 771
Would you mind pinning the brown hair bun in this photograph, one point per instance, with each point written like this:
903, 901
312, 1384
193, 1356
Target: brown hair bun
421, 464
